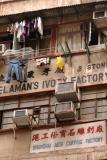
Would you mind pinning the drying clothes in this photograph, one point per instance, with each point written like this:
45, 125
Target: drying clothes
46, 71
2, 78
10, 28
20, 33
48, 60
40, 26
14, 76
41, 61
36, 24
14, 66
30, 74
90, 28
59, 65
32, 25
26, 29
58, 70
59, 62
23, 65
16, 26
15, 41
13, 61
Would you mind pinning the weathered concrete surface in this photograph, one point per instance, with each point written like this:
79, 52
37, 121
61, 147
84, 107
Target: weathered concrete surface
15, 7
19, 149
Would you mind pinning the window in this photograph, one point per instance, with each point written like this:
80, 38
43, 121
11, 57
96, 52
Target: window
40, 45
44, 43
94, 104
96, 37
71, 34
43, 120
98, 14
7, 121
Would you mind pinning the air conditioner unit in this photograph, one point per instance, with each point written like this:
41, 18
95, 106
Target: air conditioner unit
100, 19
21, 118
65, 111
67, 91
2, 48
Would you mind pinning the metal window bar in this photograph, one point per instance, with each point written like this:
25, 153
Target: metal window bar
87, 51
105, 41
59, 43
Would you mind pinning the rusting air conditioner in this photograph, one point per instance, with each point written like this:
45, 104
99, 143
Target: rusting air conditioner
67, 91
65, 111
21, 118
100, 20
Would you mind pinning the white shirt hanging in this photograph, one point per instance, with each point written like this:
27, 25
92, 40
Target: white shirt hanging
40, 26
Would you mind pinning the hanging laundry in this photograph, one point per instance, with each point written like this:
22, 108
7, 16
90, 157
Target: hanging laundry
30, 74
2, 77
10, 28
48, 60
40, 26
14, 66
14, 76
13, 60
32, 24
36, 24
31, 29
20, 33
16, 45
46, 71
23, 65
26, 29
90, 28
59, 64
41, 61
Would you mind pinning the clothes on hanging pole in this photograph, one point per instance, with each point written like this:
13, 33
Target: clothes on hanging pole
90, 30
20, 33
23, 65
42, 61
14, 66
27, 29
13, 61
40, 26
15, 40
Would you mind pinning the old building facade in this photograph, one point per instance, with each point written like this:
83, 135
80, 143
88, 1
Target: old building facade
53, 79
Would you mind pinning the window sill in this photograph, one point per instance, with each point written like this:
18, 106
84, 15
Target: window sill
52, 125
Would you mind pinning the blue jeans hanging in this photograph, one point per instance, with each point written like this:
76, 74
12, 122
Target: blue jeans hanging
14, 66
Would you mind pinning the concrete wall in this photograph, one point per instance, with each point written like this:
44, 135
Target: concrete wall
19, 149
31, 5
71, 72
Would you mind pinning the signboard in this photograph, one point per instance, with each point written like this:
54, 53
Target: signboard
87, 75
68, 137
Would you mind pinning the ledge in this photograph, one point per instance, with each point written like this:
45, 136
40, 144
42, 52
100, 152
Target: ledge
28, 128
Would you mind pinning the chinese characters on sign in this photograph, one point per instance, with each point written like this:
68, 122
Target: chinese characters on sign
83, 135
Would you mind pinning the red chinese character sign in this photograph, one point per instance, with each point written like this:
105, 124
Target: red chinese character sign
68, 137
